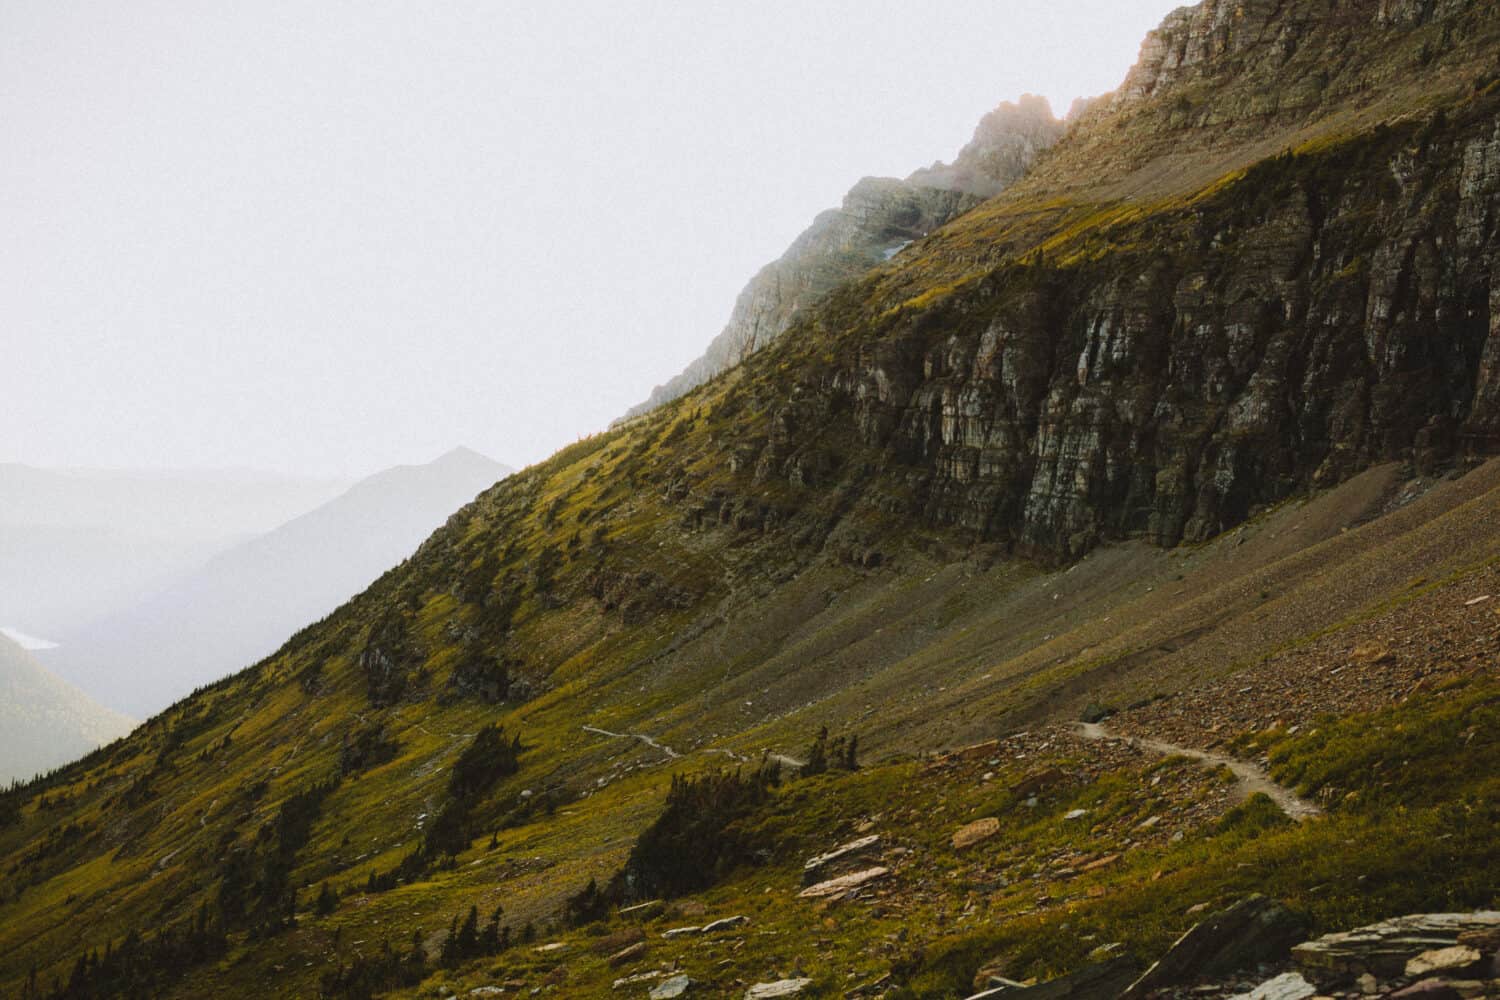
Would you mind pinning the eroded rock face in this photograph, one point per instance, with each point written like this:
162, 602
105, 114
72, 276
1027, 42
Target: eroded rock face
879, 216
1339, 322
1217, 30
1256, 929
1384, 949
1006, 143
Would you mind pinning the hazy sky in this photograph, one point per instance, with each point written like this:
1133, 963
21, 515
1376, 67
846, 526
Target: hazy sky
333, 236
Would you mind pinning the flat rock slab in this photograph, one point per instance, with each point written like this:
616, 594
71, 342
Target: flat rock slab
814, 866
1289, 986
975, 832
637, 979
1448, 960
1383, 949
677, 932
1431, 989
670, 989
728, 923
628, 954
1255, 929
842, 884
780, 988
1098, 981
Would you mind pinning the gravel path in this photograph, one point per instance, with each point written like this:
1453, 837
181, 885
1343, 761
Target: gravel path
1251, 778
634, 736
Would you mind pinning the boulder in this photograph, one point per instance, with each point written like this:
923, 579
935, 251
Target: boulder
780, 988
1442, 960
677, 932
669, 989
1036, 782
1288, 986
628, 954
975, 832
816, 867
1486, 940
637, 979
1428, 989
1098, 981
642, 911
1255, 929
844, 883
727, 923
1383, 949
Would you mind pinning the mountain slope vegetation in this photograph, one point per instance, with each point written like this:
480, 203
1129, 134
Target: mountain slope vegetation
45, 722
1191, 425
203, 626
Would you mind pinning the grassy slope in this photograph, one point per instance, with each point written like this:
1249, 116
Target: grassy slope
634, 606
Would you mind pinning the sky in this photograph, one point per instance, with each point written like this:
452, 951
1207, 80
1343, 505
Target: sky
326, 238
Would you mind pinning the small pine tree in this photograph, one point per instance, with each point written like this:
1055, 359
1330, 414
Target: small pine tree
817, 755
328, 900
449, 955
468, 934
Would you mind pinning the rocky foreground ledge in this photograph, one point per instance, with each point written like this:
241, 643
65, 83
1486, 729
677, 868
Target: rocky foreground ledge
1255, 950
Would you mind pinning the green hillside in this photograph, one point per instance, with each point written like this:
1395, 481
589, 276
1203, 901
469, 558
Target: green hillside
1189, 426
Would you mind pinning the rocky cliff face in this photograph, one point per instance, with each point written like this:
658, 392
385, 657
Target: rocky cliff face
1161, 369
1208, 296
1261, 350
878, 218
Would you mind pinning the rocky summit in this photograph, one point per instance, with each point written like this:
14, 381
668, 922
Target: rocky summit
879, 218
1097, 596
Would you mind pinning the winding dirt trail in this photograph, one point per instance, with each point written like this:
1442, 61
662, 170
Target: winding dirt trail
634, 736
1251, 779
780, 758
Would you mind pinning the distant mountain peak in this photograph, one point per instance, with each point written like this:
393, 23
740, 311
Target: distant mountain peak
464, 455
44, 720
880, 216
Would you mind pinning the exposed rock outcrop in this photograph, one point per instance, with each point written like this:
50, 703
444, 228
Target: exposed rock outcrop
1385, 949
1256, 929
1337, 314
879, 217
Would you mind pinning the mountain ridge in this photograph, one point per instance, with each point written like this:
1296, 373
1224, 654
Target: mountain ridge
46, 722
878, 218
1234, 419
199, 628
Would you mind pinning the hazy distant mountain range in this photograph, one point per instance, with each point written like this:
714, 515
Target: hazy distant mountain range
81, 543
243, 603
45, 721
